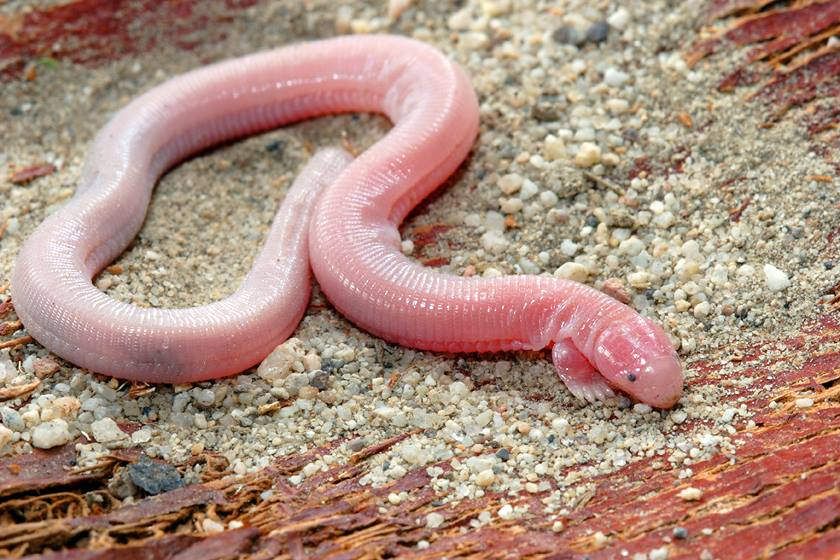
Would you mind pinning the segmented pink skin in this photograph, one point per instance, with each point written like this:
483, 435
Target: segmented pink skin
353, 238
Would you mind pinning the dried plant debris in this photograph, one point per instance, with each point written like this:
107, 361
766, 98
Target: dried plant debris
798, 51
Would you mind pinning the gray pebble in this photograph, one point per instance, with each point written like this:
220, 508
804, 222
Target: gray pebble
320, 380
566, 35
548, 108
357, 444
680, 533
154, 477
598, 32
11, 419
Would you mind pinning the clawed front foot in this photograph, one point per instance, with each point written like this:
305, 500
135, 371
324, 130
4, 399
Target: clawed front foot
580, 378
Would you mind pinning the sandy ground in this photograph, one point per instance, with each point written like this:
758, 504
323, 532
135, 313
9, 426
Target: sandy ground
674, 157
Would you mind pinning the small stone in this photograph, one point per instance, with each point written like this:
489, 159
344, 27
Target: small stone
617, 106
553, 148
569, 247
211, 526
494, 242
495, 8
312, 361
804, 402
44, 367
547, 108
659, 553
702, 309
485, 478
680, 533
107, 431
614, 288
529, 190
204, 397
776, 279
510, 205
664, 220
62, 407
588, 154
473, 40
572, 271
600, 539
144, 434
639, 280
51, 434
614, 77
460, 20
690, 494
503, 454
282, 361
5, 436
154, 477
548, 199
506, 512
597, 32
567, 35
357, 444
321, 380
557, 526
510, 183
434, 520
12, 419
619, 18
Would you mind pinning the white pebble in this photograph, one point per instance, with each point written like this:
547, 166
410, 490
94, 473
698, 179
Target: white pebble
434, 520
664, 220
640, 280
485, 478
569, 247
5, 436
702, 309
572, 271
619, 18
50, 434
614, 77
494, 242
211, 526
510, 205
407, 247
617, 106
553, 148
776, 279
548, 199
588, 155
506, 512
460, 20
472, 220
631, 246
800, 403
493, 221
690, 494
107, 431
528, 190
510, 183
659, 553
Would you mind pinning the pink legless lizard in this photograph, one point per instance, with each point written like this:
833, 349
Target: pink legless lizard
598, 344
